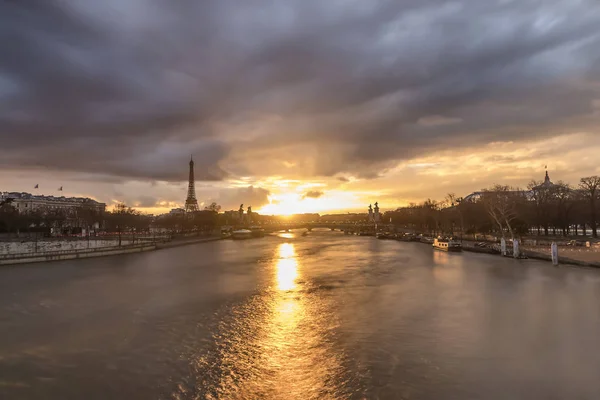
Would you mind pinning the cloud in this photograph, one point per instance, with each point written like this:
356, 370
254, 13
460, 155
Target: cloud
438, 120
145, 201
130, 89
231, 198
313, 194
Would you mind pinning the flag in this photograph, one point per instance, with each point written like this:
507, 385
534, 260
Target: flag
60, 189
37, 186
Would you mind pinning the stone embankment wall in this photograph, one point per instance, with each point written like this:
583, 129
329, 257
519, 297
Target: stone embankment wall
570, 255
74, 254
30, 247
55, 250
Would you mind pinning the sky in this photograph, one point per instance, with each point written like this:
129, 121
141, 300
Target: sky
296, 106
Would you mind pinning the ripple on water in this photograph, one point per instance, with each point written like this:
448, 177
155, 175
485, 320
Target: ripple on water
279, 344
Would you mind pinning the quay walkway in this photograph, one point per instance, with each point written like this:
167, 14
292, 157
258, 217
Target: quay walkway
59, 255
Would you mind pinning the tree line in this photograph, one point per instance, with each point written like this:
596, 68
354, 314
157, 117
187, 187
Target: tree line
541, 209
122, 220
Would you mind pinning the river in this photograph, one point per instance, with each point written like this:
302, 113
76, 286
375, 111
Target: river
325, 316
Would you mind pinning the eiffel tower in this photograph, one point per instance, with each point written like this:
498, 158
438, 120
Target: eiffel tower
191, 204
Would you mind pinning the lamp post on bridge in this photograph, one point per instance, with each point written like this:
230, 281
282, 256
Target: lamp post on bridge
376, 215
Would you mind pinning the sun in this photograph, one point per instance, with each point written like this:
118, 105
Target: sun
289, 203
284, 204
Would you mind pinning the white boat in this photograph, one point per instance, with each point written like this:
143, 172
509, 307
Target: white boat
241, 234
447, 245
257, 231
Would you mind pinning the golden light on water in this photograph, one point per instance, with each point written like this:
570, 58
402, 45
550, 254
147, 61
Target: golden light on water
301, 360
287, 267
448, 267
287, 251
276, 346
440, 257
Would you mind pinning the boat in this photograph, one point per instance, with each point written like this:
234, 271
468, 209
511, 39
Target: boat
407, 237
447, 245
425, 239
257, 231
242, 234
384, 235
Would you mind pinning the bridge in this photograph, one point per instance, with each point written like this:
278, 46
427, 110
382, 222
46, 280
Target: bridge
353, 227
368, 224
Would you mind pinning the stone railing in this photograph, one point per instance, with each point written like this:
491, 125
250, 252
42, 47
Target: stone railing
23, 258
70, 251
31, 247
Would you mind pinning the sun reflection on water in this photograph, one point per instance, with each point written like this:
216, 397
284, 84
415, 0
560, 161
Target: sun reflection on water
298, 356
277, 346
286, 250
287, 267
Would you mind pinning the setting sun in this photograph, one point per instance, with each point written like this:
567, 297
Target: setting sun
289, 203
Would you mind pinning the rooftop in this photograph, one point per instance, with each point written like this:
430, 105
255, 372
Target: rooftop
547, 183
29, 196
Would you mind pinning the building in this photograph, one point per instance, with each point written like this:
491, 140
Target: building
476, 196
27, 202
547, 185
231, 217
76, 215
177, 211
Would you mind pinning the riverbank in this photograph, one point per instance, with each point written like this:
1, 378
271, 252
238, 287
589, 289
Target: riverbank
187, 241
582, 257
589, 258
12, 259
81, 253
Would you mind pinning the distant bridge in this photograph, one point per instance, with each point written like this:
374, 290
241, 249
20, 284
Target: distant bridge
340, 226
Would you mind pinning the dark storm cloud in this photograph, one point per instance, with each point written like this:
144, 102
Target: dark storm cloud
130, 89
146, 201
313, 194
231, 198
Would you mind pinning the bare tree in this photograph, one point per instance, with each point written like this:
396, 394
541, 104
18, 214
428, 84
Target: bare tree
126, 219
9, 216
431, 210
455, 202
564, 197
213, 207
500, 203
54, 219
541, 198
590, 187
170, 222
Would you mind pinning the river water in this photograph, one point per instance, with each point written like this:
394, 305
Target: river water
324, 316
